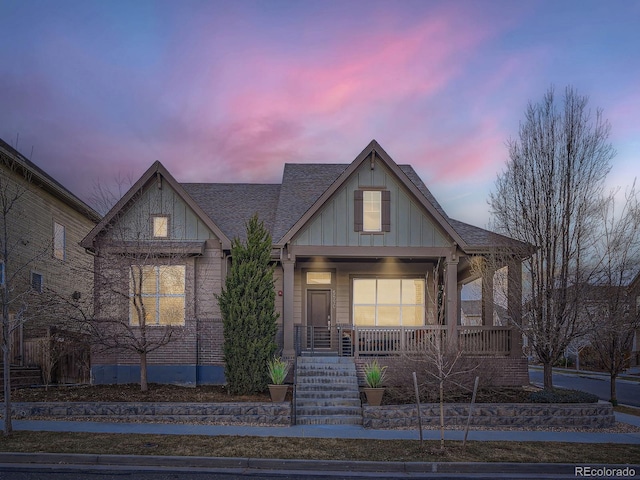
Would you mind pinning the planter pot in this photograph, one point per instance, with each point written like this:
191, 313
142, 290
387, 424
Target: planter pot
278, 392
374, 396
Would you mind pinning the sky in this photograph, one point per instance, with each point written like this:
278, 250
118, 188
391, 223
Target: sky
94, 91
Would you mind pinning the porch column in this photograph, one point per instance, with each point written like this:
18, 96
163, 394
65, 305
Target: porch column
514, 304
487, 295
451, 294
287, 310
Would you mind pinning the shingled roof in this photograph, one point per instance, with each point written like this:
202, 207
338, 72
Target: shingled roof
280, 206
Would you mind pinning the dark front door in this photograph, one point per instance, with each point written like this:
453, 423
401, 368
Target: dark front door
319, 318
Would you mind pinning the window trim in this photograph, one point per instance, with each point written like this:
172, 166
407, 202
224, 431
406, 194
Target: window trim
385, 210
157, 296
153, 226
376, 305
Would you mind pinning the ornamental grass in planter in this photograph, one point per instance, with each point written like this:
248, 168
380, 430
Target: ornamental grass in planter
278, 370
374, 376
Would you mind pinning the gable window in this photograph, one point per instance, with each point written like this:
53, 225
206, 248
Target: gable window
372, 211
58, 241
158, 292
388, 301
160, 226
36, 282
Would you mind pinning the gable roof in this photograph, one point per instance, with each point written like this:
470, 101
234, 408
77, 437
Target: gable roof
285, 208
149, 176
46, 182
422, 194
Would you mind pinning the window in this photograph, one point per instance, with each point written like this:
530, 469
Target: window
159, 291
160, 226
318, 278
36, 282
1, 272
58, 241
372, 211
388, 301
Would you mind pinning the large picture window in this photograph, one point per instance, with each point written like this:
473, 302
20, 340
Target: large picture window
159, 291
388, 301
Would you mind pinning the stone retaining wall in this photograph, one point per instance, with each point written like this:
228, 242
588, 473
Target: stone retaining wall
581, 415
222, 413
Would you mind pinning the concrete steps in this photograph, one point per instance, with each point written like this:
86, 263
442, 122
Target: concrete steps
327, 391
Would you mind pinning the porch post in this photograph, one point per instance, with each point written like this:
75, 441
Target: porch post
451, 294
514, 304
287, 310
487, 295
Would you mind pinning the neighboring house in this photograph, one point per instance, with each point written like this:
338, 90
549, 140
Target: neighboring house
367, 262
43, 254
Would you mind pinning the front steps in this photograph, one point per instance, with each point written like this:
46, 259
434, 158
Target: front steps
327, 391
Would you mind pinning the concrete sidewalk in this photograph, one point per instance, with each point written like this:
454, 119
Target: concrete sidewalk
333, 431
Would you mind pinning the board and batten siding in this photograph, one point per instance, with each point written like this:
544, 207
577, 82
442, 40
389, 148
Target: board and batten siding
184, 224
333, 225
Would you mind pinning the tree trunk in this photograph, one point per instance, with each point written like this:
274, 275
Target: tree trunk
614, 395
441, 414
8, 427
143, 372
548, 376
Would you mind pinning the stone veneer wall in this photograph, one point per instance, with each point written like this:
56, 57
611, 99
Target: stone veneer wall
581, 415
220, 413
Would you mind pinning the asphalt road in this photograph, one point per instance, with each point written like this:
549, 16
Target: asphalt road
76, 473
628, 391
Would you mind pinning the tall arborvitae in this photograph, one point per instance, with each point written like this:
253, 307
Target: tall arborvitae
247, 304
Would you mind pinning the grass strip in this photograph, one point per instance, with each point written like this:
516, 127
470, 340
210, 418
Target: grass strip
318, 449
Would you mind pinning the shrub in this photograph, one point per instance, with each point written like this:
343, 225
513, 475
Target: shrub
559, 395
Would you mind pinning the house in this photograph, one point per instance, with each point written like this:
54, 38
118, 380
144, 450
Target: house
41, 254
367, 262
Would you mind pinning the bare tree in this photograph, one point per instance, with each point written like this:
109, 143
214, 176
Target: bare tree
611, 310
140, 280
547, 197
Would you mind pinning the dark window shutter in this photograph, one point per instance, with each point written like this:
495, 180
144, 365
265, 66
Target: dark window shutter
358, 222
386, 211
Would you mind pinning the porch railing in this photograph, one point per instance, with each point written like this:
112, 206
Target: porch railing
349, 340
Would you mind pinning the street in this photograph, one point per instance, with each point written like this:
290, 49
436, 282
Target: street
628, 391
527, 472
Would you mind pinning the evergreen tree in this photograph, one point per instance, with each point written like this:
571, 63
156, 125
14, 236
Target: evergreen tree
247, 304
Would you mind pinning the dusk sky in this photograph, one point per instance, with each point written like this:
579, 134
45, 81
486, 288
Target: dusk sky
229, 91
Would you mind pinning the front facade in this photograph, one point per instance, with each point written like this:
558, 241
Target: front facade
41, 257
367, 263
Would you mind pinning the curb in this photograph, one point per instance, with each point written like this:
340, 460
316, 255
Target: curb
52, 460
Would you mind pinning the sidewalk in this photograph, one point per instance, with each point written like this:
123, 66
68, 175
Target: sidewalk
333, 431
51, 462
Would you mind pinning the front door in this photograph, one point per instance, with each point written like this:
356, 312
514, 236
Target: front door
319, 319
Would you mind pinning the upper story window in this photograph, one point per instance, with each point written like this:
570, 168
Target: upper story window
160, 226
372, 210
59, 241
158, 291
